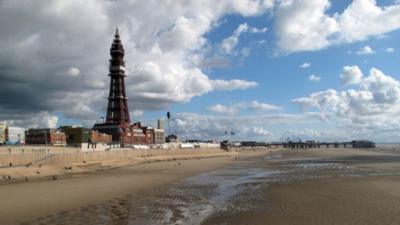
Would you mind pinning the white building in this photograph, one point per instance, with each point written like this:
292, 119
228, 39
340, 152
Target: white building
15, 135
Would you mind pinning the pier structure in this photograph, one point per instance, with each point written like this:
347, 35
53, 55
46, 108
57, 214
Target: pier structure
312, 144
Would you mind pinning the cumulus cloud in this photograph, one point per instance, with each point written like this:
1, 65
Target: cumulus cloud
351, 75
34, 120
305, 25
373, 106
195, 126
366, 50
314, 78
50, 62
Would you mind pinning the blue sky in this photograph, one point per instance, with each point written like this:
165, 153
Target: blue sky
279, 76
232, 65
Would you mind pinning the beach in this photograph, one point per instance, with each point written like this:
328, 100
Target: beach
263, 186
322, 187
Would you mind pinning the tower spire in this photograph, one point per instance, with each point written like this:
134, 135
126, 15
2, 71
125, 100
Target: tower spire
116, 32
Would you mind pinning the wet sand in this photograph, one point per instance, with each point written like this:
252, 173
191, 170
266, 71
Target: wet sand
324, 187
315, 186
50, 202
24, 201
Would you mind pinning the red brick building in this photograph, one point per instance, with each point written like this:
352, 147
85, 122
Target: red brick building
97, 137
45, 136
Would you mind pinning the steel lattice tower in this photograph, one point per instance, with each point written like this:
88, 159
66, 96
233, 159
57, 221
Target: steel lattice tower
117, 109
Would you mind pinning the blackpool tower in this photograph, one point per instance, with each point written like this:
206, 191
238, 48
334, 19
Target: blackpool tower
117, 122
117, 109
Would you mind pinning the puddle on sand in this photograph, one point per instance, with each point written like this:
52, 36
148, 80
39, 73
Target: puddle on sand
226, 184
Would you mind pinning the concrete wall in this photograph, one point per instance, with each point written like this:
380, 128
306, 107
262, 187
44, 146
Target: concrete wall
46, 156
85, 147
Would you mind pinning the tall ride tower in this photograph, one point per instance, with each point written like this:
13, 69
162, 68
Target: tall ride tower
117, 123
117, 109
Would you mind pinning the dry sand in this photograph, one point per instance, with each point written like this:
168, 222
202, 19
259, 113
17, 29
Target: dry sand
68, 162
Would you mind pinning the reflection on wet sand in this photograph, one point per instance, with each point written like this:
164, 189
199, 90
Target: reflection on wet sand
241, 192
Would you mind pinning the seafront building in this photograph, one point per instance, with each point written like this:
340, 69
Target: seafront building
86, 139
11, 135
15, 135
45, 136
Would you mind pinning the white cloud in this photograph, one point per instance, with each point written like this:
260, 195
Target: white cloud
251, 127
260, 131
218, 108
305, 65
42, 119
223, 85
366, 50
351, 75
237, 107
255, 105
372, 107
390, 50
73, 72
304, 25
364, 18
314, 78
256, 30
229, 43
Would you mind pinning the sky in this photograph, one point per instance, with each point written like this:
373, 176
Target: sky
266, 70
